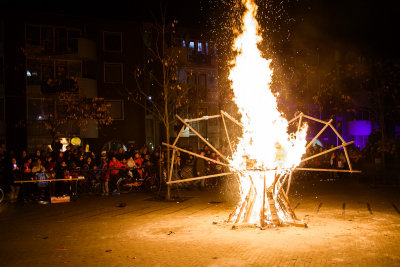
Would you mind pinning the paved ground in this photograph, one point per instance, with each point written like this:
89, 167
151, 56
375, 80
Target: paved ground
349, 224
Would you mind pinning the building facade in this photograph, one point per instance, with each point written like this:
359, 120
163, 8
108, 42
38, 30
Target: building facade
99, 55
197, 67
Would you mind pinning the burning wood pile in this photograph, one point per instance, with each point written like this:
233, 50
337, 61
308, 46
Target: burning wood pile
266, 154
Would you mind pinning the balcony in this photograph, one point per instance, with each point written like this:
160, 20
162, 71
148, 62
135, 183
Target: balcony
80, 48
191, 57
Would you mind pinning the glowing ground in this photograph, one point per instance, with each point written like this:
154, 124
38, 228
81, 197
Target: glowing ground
349, 224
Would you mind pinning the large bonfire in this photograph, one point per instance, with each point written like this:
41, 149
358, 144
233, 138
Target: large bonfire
266, 150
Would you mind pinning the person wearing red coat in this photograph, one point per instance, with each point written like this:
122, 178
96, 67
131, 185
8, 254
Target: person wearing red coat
139, 162
114, 167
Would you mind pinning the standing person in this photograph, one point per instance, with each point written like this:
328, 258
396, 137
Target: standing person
132, 169
201, 167
121, 154
37, 156
42, 186
333, 161
15, 175
27, 188
114, 167
104, 176
51, 166
341, 162
24, 157
62, 173
56, 146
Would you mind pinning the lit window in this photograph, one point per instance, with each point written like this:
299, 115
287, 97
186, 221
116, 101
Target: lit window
206, 48
183, 43
191, 45
199, 47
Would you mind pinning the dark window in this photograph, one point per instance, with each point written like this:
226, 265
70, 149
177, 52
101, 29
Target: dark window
33, 71
47, 72
112, 42
213, 49
61, 40
212, 82
61, 111
73, 36
54, 76
191, 79
33, 35
116, 109
47, 39
74, 69
202, 86
39, 109
61, 70
203, 129
113, 73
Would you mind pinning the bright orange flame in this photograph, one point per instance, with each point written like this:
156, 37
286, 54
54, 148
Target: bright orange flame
265, 139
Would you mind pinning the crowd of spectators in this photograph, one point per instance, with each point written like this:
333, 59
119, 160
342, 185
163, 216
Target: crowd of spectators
108, 166
377, 166
41, 166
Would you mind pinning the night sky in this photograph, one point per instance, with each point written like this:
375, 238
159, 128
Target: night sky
366, 23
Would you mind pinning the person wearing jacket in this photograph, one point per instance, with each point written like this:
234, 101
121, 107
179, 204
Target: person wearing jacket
114, 167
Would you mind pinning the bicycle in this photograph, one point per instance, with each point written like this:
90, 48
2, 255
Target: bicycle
148, 182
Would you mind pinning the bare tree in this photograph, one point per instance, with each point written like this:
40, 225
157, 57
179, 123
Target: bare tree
159, 90
70, 108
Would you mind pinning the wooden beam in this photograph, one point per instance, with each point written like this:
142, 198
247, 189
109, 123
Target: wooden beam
48, 180
320, 132
327, 151
204, 118
178, 136
326, 170
226, 132
345, 150
314, 119
289, 182
202, 138
299, 126
337, 133
286, 175
195, 154
243, 206
200, 178
173, 153
232, 119
262, 217
250, 206
287, 202
295, 118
